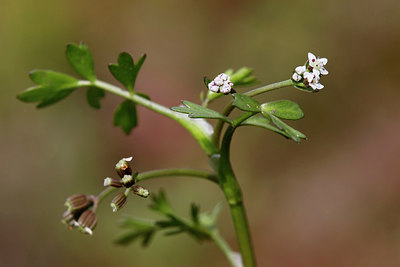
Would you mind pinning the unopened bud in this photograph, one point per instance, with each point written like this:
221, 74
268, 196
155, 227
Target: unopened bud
77, 202
123, 168
87, 222
118, 202
112, 182
68, 219
141, 191
128, 180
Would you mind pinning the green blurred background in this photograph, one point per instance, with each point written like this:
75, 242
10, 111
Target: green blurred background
333, 200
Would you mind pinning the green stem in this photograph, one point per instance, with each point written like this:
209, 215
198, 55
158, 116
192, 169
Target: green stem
228, 109
224, 246
194, 128
177, 172
233, 195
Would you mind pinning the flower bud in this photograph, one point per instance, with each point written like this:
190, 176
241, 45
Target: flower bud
123, 168
68, 219
128, 181
87, 222
118, 202
77, 202
112, 182
141, 191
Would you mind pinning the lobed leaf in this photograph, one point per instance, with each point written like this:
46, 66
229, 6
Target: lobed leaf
125, 116
52, 87
291, 132
245, 103
284, 109
93, 96
81, 60
197, 111
263, 122
124, 70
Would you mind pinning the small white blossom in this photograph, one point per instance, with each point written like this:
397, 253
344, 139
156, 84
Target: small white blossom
313, 79
300, 70
221, 84
317, 63
296, 77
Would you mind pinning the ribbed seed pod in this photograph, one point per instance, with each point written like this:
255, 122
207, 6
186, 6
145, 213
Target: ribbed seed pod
113, 182
128, 181
87, 222
77, 202
141, 191
123, 168
118, 202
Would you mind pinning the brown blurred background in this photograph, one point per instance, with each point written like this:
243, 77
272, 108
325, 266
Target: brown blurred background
333, 200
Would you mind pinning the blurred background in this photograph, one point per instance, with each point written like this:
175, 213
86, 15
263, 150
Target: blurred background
333, 200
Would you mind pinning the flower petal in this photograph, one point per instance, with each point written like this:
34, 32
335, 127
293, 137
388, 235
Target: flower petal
311, 57
323, 60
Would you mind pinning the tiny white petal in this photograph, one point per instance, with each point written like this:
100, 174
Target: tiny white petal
128, 159
107, 181
323, 71
88, 230
215, 89
300, 69
323, 60
296, 77
311, 57
319, 86
218, 81
225, 89
223, 76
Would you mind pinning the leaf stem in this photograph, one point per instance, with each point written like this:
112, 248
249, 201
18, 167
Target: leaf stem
177, 172
224, 246
228, 109
194, 128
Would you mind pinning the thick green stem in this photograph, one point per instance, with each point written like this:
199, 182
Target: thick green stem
228, 109
194, 128
233, 195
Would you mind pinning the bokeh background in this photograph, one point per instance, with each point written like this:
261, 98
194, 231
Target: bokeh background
333, 200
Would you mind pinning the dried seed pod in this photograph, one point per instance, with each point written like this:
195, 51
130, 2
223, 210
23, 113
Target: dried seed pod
113, 182
77, 202
128, 181
123, 168
141, 191
118, 202
87, 222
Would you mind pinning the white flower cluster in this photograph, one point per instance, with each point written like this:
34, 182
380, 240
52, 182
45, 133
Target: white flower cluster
310, 73
221, 84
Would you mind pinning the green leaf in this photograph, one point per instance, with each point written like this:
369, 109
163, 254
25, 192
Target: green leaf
81, 59
93, 96
139, 229
197, 111
263, 122
138, 66
160, 204
284, 109
293, 133
246, 103
124, 71
52, 87
125, 116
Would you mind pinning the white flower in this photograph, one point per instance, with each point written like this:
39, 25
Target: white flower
317, 63
296, 77
300, 70
221, 84
313, 79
